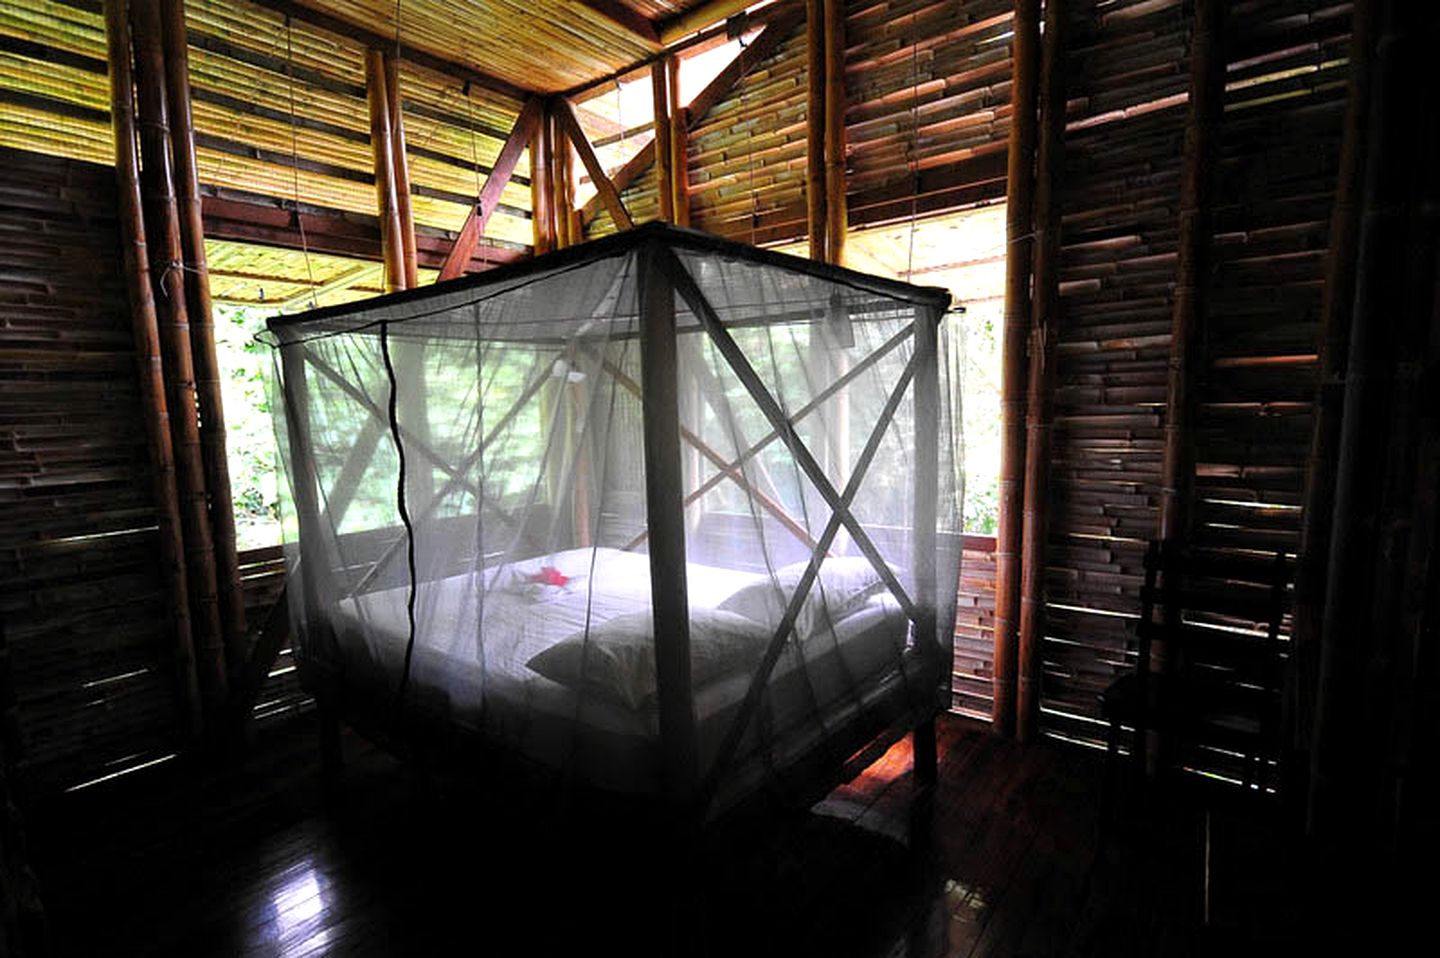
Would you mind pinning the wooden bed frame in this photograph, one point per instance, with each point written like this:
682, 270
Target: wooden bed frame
663, 280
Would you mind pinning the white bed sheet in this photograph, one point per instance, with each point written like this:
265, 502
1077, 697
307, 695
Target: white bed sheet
487, 685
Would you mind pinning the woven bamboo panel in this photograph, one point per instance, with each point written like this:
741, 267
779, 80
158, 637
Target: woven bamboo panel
1128, 77
80, 597
747, 154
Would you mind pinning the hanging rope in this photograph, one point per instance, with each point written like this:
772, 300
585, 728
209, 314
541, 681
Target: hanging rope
295, 156
403, 506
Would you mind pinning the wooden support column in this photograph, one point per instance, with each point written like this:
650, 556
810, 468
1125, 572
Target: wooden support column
664, 155
927, 485
835, 203
202, 335
815, 127
1045, 328
386, 198
162, 229
1019, 221
679, 145
170, 549
666, 524
1336, 310
1207, 76
400, 163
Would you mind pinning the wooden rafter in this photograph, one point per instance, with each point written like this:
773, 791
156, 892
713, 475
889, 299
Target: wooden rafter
771, 37
369, 38
608, 193
489, 198
623, 16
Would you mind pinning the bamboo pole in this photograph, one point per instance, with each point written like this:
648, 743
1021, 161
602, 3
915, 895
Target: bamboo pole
145, 326
1045, 328
202, 335
541, 223
386, 200
1019, 219
815, 127
1335, 314
679, 149
835, 203
162, 228
559, 154
1207, 67
400, 163
1346, 759
664, 156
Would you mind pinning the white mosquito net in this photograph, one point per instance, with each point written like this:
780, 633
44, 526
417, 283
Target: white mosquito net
658, 514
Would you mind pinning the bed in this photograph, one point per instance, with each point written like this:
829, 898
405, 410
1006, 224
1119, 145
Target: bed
661, 514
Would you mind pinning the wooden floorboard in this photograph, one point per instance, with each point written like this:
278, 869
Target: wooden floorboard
1007, 855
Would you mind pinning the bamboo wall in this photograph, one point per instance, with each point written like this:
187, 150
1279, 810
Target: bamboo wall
80, 593
245, 65
1127, 75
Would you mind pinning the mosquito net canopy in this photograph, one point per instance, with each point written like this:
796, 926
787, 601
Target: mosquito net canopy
659, 514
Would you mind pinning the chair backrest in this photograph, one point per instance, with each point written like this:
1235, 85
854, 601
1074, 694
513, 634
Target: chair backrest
1219, 615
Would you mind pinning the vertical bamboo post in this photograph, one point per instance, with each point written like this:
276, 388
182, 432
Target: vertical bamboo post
400, 163
145, 325
665, 522
162, 228
386, 197
541, 223
924, 532
664, 156
1335, 313
679, 149
559, 152
815, 127
1019, 218
1045, 329
835, 202
1207, 74
1346, 766
202, 334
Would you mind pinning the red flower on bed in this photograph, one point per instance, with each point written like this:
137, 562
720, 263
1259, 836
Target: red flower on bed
549, 575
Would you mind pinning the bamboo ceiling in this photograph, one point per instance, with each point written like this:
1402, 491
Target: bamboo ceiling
279, 94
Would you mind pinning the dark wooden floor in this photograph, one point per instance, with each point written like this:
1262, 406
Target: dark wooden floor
1008, 858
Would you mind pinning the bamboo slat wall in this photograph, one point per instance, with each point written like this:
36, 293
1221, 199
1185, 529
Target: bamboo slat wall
1119, 202
80, 592
244, 65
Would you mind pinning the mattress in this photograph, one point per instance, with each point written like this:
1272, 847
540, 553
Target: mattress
476, 633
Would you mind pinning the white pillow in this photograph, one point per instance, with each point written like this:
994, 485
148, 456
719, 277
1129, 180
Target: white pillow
843, 584
616, 659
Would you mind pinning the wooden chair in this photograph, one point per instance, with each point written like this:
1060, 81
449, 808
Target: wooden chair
1215, 703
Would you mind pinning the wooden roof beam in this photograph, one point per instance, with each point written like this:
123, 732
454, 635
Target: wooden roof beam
607, 191
489, 198
707, 14
623, 16
369, 38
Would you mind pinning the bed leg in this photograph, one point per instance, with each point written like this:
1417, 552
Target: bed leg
927, 767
